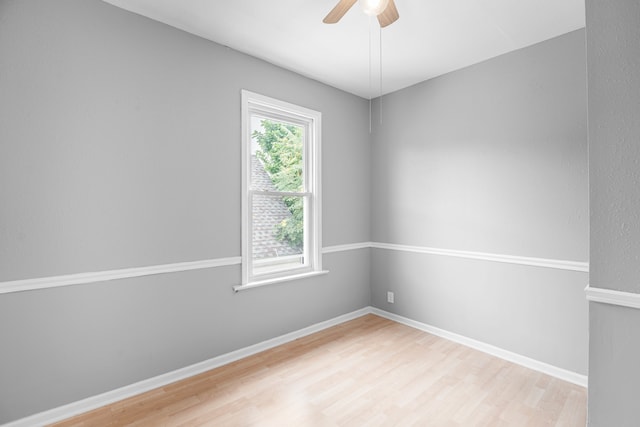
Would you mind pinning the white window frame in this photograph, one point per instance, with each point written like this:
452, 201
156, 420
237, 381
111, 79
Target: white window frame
311, 120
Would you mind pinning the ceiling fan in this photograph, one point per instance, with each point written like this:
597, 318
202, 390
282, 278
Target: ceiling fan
385, 10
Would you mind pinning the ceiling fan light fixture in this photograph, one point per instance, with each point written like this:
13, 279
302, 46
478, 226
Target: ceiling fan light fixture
373, 7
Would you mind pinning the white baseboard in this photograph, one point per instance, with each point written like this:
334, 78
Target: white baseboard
95, 402
527, 362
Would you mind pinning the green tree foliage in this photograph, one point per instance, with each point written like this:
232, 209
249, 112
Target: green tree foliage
281, 154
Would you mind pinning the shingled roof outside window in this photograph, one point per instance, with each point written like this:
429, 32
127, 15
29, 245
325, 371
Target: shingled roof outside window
268, 212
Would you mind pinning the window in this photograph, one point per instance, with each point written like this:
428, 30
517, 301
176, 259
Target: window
281, 228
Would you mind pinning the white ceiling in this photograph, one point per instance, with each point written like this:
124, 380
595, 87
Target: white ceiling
432, 37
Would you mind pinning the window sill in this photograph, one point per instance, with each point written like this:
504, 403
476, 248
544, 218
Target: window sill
251, 285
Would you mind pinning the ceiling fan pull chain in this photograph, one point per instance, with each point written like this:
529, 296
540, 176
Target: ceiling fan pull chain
380, 86
370, 78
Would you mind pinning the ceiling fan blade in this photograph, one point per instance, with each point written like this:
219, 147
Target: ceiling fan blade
389, 15
338, 11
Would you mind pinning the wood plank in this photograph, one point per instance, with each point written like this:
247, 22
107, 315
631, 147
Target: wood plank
367, 372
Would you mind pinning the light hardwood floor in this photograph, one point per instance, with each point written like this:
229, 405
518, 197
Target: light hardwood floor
367, 372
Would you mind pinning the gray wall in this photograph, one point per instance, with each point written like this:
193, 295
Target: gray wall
613, 46
491, 158
120, 147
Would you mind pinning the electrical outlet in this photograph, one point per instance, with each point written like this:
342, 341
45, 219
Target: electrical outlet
390, 297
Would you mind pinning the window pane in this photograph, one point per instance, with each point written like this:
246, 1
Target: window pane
278, 233
276, 155
281, 212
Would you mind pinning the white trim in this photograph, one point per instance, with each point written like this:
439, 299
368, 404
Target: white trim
245, 206
275, 280
98, 401
311, 120
536, 365
281, 193
598, 295
511, 259
347, 247
95, 402
102, 276
609, 296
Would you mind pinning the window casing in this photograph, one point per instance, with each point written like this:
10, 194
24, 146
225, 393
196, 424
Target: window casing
281, 203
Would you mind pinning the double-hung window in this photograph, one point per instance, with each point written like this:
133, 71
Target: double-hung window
281, 228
